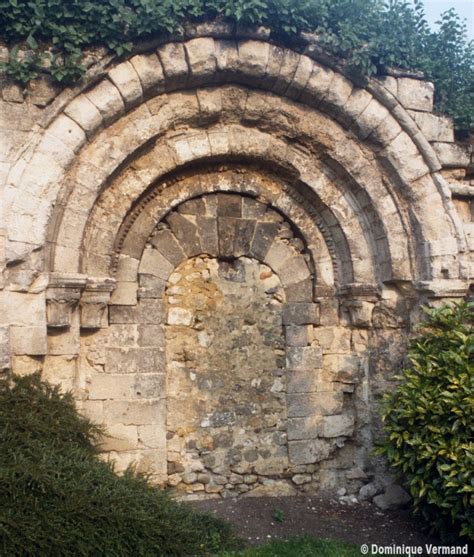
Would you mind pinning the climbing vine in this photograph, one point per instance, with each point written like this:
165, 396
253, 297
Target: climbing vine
369, 35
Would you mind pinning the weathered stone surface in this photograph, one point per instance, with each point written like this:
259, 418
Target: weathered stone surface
304, 428
303, 358
263, 238
451, 155
156, 264
337, 426
394, 497
308, 452
304, 405
126, 79
297, 335
301, 314
415, 94
186, 233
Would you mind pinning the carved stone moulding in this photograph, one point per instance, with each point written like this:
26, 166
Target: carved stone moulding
62, 296
94, 302
359, 300
67, 291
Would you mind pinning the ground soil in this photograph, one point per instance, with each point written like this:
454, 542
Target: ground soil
322, 517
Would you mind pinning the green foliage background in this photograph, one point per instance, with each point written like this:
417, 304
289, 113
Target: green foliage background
57, 498
368, 34
429, 421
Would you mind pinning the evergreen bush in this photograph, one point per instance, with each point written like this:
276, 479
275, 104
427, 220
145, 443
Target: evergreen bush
57, 498
429, 421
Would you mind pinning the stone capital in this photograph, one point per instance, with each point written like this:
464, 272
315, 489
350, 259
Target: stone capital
62, 296
94, 301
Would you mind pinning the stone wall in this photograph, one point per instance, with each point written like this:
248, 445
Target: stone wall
221, 245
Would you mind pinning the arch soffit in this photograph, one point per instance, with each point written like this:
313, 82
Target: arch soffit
177, 65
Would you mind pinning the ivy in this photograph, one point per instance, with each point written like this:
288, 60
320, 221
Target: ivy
369, 35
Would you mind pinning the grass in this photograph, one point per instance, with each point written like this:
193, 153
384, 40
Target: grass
304, 546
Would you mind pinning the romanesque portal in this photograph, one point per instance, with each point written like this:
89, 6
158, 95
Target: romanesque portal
221, 245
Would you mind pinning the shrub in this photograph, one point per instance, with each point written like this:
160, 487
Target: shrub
429, 421
368, 34
57, 497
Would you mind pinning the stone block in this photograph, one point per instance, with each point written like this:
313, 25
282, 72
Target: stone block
229, 205
127, 268
147, 311
226, 230
150, 72
166, 243
304, 428
302, 381
433, 126
134, 360
207, 231
65, 341
151, 287
263, 237
128, 386
156, 264
68, 131
152, 437
305, 405
126, 79
125, 294
303, 358
175, 66
119, 437
340, 425
335, 340
452, 155
415, 94
194, 206
151, 335
244, 231
297, 335
341, 367
301, 314
294, 271
253, 57
60, 370
370, 118
300, 291
29, 341
252, 209
26, 365
309, 452
317, 84
278, 255
134, 412
201, 57
106, 97
186, 233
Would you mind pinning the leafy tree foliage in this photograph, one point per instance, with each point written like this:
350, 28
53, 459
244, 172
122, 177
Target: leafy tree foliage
58, 498
429, 421
368, 34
